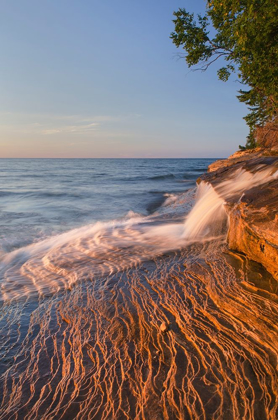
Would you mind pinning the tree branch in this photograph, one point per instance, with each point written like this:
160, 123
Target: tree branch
204, 67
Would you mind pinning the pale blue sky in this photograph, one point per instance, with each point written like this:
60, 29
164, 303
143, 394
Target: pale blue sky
100, 78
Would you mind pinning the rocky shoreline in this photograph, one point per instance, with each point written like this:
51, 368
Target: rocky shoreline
252, 215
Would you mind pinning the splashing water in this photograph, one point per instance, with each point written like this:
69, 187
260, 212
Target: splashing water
105, 248
207, 215
96, 350
208, 218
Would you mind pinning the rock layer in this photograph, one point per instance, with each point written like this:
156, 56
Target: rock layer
242, 157
253, 227
253, 218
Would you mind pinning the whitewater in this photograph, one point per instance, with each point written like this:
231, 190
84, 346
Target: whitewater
82, 308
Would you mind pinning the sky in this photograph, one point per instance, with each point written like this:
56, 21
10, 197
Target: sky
102, 78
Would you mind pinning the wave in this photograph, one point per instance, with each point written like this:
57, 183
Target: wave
191, 175
95, 250
46, 194
107, 247
164, 177
161, 177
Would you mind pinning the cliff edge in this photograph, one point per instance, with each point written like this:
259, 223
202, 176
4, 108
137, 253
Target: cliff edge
253, 218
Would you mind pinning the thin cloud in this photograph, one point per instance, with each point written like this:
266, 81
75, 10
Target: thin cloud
75, 118
77, 129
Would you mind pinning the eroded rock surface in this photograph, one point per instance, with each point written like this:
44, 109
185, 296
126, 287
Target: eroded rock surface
241, 157
253, 227
253, 218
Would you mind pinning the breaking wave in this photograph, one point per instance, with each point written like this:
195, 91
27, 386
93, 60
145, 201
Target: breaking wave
104, 248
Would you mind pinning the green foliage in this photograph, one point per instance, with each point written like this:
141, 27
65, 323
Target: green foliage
246, 37
250, 142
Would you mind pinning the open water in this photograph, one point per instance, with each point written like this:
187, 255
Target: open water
43, 197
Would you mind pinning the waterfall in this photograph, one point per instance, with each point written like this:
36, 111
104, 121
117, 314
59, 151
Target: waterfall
208, 214
208, 217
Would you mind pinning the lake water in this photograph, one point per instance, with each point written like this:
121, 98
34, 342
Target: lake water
43, 197
119, 298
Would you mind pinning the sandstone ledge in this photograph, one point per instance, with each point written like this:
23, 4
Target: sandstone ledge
253, 218
253, 226
241, 157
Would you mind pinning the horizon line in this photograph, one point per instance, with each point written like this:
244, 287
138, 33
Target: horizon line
72, 158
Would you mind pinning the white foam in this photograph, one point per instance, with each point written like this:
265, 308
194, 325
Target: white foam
208, 215
106, 247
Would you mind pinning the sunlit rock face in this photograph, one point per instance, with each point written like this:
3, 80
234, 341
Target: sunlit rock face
252, 210
243, 156
253, 226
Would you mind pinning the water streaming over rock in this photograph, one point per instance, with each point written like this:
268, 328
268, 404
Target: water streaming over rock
209, 214
81, 316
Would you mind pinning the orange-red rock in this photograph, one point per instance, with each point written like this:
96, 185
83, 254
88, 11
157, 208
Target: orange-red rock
253, 226
253, 218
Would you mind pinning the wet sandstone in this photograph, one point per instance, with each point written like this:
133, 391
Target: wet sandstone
253, 218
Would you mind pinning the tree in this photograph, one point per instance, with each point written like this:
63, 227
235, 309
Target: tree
246, 37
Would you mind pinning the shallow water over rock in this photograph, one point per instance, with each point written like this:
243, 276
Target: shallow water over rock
97, 350
140, 319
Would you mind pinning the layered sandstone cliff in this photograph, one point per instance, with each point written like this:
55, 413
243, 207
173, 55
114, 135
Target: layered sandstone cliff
253, 217
253, 226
